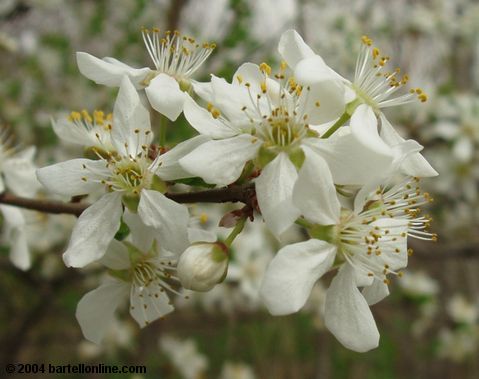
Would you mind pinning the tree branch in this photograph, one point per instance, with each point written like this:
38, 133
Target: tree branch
244, 194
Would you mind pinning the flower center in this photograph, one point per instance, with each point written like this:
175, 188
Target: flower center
277, 109
129, 175
374, 240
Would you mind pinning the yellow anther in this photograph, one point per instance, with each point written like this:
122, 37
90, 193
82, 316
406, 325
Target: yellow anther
74, 116
366, 40
239, 78
283, 65
203, 218
422, 97
215, 113
86, 116
317, 104
265, 68
99, 117
155, 30
375, 52
263, 87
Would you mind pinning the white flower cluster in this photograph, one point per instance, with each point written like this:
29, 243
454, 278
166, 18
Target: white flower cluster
317, 147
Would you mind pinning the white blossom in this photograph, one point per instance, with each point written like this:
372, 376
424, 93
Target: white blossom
129, 177
369, 242
175, 57
141, 269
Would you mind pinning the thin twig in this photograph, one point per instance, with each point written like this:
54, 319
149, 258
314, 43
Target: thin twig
243, 194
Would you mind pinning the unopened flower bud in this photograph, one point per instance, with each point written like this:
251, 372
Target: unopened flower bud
203, 265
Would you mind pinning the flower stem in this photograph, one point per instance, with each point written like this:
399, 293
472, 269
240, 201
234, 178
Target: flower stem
302, 222
162, 132
341, 121
234, 233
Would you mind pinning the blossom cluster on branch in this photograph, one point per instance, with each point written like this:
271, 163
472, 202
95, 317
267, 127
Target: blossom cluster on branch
304, 145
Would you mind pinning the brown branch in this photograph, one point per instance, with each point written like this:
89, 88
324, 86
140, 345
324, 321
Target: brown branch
244, 194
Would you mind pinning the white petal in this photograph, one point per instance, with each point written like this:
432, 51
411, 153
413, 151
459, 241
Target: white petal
390, 242
165, 96
67, 131
329, 94
230, 100
141, 235
274, 190
109, 71
221, 162
293, 48
314, 70
116, 256
95, 310
167, 165
314, 192
203, 90
14, 231
169, 217
147, 304
19, 174
364, 126
375, 292
291, 274
415, 164
202, 120
250, 73
347, 314
94, 231
68, 178
350, 161
131, 121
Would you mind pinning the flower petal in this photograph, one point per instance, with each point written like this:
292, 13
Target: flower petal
109, 71
167, 165
141, 235
67, 131
364, 126
350, 161
149, 303
73, 177
19, 173
347, 314
291, 274
312, 70
221, 162
94, 231
116, 256
375, 292
203, 90
165, 96
202, 120
292, 48
230, 99
14, 232
413, 165
274, 190
95, 310
170, 218
323, 102
314, 192
249, 73
131, 132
